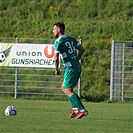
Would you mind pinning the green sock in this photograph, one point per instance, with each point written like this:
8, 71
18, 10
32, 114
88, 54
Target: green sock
76, 99
72, 103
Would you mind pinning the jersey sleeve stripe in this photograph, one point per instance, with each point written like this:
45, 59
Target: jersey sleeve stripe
79, 43
56, 51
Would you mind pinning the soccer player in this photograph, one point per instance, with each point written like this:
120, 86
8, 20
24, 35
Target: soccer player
67, 46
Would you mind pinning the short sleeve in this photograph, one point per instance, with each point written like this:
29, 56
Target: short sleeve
56, 47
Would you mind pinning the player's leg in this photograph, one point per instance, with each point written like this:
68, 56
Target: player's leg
70, 80
71, 101
77, 106
82, 111
71, 77
75, 109
74, 98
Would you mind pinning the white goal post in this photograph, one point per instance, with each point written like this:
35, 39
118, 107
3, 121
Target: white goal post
121, 76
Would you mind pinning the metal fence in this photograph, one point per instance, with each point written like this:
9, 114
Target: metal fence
18, 81
121, 87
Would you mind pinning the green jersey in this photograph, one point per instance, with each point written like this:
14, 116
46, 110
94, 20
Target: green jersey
66, 46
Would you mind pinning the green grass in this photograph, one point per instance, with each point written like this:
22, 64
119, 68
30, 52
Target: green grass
43, 116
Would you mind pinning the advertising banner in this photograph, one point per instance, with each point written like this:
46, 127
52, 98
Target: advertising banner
27, 55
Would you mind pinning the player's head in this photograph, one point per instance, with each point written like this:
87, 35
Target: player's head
58, 29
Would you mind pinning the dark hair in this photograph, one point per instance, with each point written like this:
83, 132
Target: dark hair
61, 25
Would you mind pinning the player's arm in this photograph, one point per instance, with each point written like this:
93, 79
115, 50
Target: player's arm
56, 63
81, 50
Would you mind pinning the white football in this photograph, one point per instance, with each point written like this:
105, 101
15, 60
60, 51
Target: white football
10, 111
2, 57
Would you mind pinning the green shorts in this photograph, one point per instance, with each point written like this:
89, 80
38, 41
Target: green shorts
71, 77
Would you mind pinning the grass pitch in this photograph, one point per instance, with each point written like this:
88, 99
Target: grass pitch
41, 116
